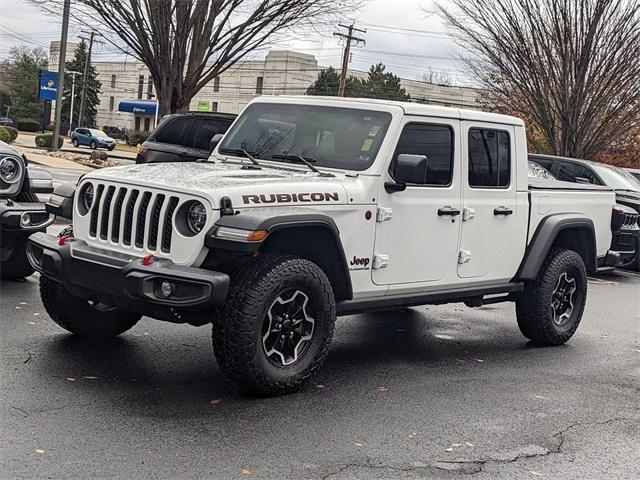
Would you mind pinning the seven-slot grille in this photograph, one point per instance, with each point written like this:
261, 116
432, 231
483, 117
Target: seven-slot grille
133, 217
631, 220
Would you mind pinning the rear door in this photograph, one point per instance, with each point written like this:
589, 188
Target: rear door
493, 227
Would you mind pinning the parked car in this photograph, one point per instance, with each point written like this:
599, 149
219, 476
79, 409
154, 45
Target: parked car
315, 207
93, 138
6, 122
21, 212
184, 137
635, 172
115, 132
626, 186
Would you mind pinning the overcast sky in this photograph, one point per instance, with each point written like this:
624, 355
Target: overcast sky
400, 33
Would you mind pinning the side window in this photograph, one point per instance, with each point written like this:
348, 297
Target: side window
174, 132
546, 163
570, 172
489, 158
208, 128
433, 141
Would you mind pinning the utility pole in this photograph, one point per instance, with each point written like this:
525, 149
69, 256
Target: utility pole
61, 65
347, 52
73, 95
87, 64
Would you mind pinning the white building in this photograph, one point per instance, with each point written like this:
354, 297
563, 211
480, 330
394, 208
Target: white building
280, 73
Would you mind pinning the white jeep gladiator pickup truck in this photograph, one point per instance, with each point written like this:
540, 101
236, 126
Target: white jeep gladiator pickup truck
310, 208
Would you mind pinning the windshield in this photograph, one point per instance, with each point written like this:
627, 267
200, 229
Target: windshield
617, 178
538, 171
325, 136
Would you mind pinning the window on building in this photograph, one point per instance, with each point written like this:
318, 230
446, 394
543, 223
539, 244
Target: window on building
147, 124
140, 86
149, 87
112, 102
433, 141
259, 85
214, 106
137, 123
113, 80
216, 84
489, 158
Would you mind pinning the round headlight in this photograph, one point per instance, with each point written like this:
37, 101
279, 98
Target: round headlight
87, 197
10, 170
196, 217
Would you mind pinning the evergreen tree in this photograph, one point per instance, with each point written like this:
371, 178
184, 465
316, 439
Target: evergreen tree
22, 71
93, 89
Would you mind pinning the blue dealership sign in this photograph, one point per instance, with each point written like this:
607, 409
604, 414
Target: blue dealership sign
48, 85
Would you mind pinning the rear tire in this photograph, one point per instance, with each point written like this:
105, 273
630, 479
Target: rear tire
75, 142
273, 332
550, 308
79, 317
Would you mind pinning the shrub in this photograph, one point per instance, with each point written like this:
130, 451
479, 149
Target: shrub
137, 137
46, 140
4, 135
28, 125
13, 133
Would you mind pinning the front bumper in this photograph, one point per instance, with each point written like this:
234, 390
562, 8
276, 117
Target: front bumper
24, 217
123, 280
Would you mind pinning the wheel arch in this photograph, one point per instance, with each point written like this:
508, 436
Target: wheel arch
571, 231
310, 235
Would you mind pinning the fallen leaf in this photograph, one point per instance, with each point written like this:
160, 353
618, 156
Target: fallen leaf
245, 471
358, 444
479, 360
382, 388
413, 435
71, 379
40, 451
31, 323
460, 360
448, 449
215, 401
537, 474
23, 303
468, 444
17, 307
456, 445
319, 387
36, 314
541, 397
90, 377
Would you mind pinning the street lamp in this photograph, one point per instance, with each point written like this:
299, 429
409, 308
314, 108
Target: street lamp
73, 89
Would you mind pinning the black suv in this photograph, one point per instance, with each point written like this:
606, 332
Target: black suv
626, 186
184, 137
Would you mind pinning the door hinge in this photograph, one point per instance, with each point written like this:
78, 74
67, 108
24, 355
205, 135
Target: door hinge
464, 256
383, 214
380, 261
468, 214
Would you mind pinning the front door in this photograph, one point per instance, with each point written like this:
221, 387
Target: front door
418, 228
491, 246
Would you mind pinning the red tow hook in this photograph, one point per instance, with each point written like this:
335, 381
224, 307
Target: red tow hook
147, 260
63, 239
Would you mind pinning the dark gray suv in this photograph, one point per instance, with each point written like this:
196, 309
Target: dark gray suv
184, 137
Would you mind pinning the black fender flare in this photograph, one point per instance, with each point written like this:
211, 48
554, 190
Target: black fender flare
273, 221
544, 237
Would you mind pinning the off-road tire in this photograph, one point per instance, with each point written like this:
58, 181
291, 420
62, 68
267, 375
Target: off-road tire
238, 323
533, 305
77, 316
16, 265
75, 142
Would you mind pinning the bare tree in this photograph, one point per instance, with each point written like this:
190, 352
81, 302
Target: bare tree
187, 43
571, 67
435, 77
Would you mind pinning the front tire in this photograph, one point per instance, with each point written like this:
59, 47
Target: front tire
76, 315
550, 308
14, 264
93, 145
273, 332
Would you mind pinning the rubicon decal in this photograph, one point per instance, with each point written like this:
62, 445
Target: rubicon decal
291, 198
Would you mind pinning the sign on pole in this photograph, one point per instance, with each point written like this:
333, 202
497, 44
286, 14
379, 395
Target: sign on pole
48, 85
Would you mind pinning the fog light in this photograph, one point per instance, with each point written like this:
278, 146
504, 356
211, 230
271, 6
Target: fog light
25, 220
166, 289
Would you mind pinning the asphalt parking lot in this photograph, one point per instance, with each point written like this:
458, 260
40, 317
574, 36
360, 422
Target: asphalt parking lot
431, 392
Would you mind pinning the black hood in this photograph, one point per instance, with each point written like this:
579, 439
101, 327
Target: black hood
630, 199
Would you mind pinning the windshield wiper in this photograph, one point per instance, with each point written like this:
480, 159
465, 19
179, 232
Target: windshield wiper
300, 158
242, 152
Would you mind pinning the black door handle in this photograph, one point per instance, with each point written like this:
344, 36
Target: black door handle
502, 211
448, 211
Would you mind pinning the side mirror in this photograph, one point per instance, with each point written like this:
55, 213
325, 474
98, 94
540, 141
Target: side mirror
215, 140
411, 169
